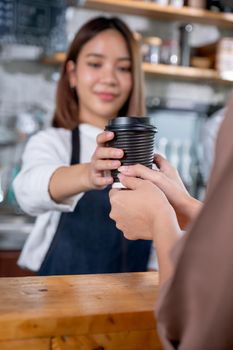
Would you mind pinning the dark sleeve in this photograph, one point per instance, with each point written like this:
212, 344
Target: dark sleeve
195, 308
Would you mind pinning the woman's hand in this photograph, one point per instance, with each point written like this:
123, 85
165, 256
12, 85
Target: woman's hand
68, 181
169, 181
103, 161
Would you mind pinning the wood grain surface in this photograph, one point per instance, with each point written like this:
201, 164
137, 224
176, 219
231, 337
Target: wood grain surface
79, 312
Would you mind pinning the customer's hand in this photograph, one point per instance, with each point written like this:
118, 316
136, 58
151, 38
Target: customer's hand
103, 160
142, 210
169, 181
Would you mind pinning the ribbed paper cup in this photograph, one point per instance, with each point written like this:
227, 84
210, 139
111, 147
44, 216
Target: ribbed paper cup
136, 136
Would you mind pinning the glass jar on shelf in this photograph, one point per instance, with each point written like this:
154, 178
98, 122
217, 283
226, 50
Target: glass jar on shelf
170, 52
151, 47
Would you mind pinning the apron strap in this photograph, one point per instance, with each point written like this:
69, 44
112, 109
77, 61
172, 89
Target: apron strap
75, 155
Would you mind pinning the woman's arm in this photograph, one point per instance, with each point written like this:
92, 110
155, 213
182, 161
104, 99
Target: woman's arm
169, 181
45, 163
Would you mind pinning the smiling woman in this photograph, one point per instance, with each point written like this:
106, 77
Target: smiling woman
102, 75
106, 45
63, 177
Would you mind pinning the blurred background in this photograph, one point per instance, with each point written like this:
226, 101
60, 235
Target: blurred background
187, 52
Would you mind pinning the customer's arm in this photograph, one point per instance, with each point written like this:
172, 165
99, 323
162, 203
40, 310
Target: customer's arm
169, 181
143, 212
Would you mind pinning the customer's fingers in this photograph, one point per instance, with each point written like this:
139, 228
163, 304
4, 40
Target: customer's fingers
142, 172
162, 163
131, 183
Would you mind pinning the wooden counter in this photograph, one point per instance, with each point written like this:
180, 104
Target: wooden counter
95, 312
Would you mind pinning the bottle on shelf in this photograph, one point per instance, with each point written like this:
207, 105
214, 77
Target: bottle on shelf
185, 30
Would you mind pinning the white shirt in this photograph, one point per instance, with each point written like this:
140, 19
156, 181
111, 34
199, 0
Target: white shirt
45, 153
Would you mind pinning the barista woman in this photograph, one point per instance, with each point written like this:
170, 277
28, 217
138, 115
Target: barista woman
62, 177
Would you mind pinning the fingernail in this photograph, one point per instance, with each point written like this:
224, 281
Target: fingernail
109, 133
123, 169
118, 153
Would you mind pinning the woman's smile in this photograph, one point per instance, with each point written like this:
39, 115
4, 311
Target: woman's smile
106, 96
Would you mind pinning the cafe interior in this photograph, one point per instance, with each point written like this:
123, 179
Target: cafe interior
186, 55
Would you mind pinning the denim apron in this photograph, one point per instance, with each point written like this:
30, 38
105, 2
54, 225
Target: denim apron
87, 240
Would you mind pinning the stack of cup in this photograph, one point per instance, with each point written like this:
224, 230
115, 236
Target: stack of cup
136, 137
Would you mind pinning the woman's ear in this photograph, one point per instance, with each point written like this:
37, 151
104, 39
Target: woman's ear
71, 72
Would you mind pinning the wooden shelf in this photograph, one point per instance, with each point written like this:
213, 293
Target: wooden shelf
168, 13
185, 73
159, 12
162, 70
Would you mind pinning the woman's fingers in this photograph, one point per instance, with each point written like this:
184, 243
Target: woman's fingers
101, 165
103, 152
108, 153
103, 160
104, 137
103, 181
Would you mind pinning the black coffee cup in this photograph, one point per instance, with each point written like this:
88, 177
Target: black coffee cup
136, 137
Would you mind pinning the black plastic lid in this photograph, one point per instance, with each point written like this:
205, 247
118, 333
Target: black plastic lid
130, 123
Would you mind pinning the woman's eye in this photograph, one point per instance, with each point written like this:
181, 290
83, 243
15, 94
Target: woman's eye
94, 64
124, 69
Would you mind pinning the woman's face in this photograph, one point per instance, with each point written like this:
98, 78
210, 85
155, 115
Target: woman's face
102, 77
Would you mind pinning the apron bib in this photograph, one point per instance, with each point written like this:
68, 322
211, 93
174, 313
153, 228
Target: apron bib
87, 240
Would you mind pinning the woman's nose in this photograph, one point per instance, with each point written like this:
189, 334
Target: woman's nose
109, 76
